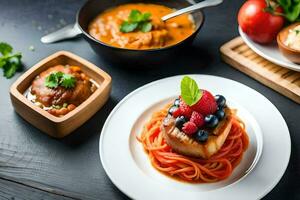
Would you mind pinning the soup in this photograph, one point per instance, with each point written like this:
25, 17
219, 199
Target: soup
139, 26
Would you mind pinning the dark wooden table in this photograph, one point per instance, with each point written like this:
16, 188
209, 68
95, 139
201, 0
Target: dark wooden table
35, 166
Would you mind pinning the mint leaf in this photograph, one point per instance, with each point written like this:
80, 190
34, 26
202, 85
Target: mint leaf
190, 92
127, 27
146, 27
5, 48
68, 81
137, 21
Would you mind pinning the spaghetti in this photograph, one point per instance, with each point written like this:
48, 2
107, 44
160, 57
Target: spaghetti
197, 170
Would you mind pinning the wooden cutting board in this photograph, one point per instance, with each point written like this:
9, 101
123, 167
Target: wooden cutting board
283, 80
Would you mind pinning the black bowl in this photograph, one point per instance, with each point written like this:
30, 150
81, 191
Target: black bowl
130, 57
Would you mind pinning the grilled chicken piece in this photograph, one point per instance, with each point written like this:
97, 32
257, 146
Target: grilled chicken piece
187, 145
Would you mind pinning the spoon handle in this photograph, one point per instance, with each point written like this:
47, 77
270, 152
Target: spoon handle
203, 4
67, 32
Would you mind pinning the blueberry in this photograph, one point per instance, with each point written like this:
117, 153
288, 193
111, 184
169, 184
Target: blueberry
220, 114
177, 102
221, 101
211, 121
179, 121
201, 136
172, 109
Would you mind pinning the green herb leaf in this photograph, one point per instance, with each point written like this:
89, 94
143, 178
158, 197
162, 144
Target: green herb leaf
52, 80
135, 16
68, 81
128, 27
291, 9
5, 48
190, 92
56, 79
137, 21
9, 62
146, 27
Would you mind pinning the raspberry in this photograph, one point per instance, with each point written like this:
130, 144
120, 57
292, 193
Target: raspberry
185, 110
189, 128
197, 119
206, 105
176, 113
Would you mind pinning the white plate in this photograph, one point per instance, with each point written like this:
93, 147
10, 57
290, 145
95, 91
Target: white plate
269, 52
129, 168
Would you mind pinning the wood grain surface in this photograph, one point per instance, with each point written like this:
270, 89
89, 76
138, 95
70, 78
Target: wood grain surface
283, 80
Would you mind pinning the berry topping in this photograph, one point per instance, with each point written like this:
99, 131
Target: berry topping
189, 128
177, 112
220, 114
201, 136
211, 121
177, 102
197, 119
221, 101
172, 110
185, 110
179, 121
206, 105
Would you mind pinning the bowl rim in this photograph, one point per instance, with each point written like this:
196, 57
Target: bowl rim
96, 70
136, 50
279, 38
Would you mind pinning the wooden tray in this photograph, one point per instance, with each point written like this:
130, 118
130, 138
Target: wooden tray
283, 80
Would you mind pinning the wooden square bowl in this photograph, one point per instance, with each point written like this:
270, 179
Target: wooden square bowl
59, 127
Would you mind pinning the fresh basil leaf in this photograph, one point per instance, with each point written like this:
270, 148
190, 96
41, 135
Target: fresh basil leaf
146, 16
146, 27
127, 27
190, 92
5, 48
135, 16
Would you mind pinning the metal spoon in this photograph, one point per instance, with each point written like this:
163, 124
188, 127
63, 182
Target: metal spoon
192, 8
72, 31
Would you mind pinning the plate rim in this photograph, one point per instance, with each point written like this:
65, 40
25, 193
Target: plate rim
267, 190
262, 54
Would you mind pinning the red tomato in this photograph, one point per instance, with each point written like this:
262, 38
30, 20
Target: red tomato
260, 25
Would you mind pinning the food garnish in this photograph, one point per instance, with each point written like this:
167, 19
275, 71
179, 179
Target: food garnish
10, 62
56, 79
137, 21
190, 92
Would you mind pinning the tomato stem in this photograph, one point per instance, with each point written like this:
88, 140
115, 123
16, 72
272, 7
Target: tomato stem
271, 7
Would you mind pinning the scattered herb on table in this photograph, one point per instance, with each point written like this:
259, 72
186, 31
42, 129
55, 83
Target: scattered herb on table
56, 79
137, 21
190, 92
10, 62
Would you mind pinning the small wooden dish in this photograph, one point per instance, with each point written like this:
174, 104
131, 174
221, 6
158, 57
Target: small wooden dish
59, 127
290, 53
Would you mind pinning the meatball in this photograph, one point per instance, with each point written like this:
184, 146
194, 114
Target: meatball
60, 95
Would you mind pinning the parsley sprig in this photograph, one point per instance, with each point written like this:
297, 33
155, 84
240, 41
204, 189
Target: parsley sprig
9, 62
137, 21
56, 79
